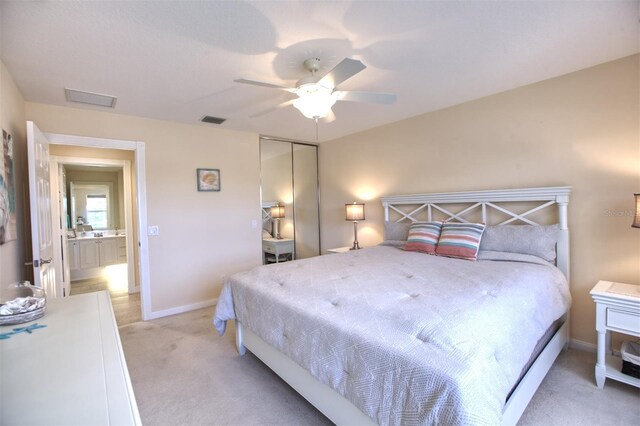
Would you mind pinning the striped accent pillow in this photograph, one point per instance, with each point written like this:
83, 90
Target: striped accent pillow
461, 240
423, 237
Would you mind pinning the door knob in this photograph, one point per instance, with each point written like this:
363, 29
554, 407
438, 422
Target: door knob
37, 263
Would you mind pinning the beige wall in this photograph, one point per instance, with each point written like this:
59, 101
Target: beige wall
203, 235
12, 120
580, 129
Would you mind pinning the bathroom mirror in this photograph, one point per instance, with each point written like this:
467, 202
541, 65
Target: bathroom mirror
94, 198
289, 178
91, 205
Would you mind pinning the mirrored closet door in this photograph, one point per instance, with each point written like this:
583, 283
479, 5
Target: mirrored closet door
290, 200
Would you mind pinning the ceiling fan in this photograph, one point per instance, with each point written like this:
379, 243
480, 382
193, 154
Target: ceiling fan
316, 95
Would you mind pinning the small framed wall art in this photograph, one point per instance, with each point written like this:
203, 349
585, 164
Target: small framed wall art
208, 179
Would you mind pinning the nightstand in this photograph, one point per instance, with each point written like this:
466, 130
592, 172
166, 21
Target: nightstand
617, 309
339, 250
277, 248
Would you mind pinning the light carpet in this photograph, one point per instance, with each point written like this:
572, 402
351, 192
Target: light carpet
183, 373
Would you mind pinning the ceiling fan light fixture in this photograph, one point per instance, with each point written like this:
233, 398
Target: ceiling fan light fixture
316, 103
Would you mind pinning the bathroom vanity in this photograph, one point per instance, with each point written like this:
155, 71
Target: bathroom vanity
89, 254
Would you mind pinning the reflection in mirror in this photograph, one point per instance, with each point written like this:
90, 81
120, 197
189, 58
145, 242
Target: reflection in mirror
92, 206
306, 209
277, 183
95, 197
289, 178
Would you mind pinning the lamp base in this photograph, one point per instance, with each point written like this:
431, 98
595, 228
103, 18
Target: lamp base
356, 246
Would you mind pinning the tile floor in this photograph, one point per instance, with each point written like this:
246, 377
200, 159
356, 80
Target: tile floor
126, 307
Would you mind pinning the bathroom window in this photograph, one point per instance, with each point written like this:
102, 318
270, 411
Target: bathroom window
97, 211
94, 203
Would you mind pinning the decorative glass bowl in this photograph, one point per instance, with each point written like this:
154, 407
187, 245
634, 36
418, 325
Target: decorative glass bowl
21, 302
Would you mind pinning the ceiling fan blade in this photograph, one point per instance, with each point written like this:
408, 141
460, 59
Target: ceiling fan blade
330, 117
371, 97
344, 70
275, 108
263, 84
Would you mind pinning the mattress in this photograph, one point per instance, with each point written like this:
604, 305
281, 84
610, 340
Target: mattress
408, 338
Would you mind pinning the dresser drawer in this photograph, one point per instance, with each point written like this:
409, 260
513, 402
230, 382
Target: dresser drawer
622, 320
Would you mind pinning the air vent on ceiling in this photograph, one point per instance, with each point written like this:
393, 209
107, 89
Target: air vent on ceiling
213, 120
90, 98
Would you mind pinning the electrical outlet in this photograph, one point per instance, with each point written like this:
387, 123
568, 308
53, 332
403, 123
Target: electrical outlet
153, 231
223, 277
254, 224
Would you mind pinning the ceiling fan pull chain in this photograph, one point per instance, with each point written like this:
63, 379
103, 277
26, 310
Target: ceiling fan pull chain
316, 129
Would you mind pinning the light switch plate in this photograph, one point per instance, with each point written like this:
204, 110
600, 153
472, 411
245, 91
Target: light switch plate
254, 224
153, 231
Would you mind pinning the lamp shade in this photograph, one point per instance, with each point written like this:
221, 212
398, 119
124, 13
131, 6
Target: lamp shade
315, 105
277, 212
355, 211
636, 219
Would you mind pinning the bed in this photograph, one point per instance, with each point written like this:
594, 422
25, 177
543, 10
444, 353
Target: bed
384, 336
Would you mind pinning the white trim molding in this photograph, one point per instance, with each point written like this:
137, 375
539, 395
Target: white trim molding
182, 309
138, 148
583, 346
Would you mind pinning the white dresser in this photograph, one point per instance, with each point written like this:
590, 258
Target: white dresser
72, 372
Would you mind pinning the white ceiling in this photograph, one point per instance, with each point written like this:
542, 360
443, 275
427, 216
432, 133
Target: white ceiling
177, 60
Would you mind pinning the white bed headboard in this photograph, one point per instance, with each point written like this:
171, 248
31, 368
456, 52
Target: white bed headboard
472, 201
266, 214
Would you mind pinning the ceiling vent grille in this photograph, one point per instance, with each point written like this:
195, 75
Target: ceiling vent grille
90, 98
213, 120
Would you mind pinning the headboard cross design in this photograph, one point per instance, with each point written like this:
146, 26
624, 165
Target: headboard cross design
266, 210
485, 200
412, 215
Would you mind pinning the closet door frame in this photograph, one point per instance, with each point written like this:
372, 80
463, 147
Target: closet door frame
293, 186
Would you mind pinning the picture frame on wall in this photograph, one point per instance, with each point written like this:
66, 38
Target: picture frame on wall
7, 191
208, 180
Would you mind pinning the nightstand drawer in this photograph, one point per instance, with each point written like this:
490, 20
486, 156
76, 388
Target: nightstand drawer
269, 248
623, 320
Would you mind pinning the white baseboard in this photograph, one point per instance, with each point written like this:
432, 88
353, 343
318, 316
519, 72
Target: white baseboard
583, 346
182, 309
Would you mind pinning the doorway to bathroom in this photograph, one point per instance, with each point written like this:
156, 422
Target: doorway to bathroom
95, 208
51, 228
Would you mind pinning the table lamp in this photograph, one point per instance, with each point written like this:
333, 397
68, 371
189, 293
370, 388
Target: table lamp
277, 213
355, 213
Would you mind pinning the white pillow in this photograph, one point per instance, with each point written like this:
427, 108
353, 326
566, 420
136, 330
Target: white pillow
396, 231
538, 241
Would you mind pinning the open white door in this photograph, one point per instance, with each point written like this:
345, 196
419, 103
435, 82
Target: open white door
40, 202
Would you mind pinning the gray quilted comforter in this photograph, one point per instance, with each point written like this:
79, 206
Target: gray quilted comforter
408, 338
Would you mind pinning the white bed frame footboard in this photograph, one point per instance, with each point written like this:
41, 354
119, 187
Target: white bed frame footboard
341, 411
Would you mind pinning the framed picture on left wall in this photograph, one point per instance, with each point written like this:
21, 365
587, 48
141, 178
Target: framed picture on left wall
208, 179
7, 191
